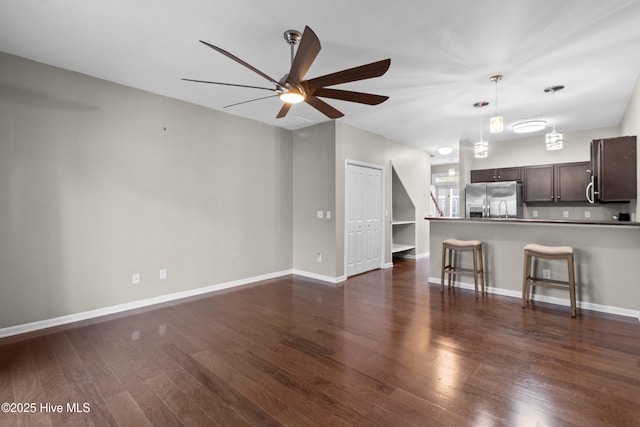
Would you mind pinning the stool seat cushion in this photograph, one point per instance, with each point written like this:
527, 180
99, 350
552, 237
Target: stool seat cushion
549, 250
462, 243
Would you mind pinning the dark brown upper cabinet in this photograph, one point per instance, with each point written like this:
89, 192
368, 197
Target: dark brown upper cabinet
614, 166
563, 182
492, 175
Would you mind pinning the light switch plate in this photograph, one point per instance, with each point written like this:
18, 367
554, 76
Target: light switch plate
320, 214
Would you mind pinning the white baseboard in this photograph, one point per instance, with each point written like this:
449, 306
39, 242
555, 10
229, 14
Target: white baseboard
114, 309
409, 256
328, 279
387, 265
552, 300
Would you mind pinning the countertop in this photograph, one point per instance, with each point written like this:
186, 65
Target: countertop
612, 223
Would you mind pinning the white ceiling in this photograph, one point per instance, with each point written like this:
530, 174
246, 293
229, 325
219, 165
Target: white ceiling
442, 55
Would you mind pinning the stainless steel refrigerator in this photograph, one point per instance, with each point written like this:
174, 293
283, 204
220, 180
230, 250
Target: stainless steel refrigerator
494, 200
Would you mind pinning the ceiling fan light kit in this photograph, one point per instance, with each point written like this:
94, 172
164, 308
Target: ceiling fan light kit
292, 88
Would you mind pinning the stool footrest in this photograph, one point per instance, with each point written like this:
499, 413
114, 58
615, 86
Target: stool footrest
548, 283
461, 270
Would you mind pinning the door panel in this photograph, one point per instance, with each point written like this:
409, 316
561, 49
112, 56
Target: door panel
364, 219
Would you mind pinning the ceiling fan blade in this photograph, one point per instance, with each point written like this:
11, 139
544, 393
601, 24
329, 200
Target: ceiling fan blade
251, 100
230, 84
323, 107
367, 71
240, 61
306, 54
347, 95
284, 110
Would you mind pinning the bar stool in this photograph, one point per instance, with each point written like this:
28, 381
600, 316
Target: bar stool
532, 251
451, 245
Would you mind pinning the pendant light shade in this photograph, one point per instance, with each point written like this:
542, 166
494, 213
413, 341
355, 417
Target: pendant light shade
554, 140
496, 123
481, 148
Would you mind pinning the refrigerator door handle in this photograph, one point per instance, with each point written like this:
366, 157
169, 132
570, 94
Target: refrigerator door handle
590, 191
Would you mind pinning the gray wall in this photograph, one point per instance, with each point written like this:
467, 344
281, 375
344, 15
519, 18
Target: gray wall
99, 181
314, 182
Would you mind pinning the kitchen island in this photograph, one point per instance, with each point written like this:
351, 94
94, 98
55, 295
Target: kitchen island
607, 257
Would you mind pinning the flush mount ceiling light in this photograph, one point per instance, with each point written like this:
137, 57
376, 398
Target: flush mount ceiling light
481, 148
554, 140
496, 124
445, 150
528, 126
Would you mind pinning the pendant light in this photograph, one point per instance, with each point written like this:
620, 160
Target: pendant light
554, 140
481, 148
496, 124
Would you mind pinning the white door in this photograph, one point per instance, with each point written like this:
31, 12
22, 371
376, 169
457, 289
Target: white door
364, 219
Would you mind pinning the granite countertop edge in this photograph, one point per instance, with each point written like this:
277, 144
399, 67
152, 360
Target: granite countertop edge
612, 223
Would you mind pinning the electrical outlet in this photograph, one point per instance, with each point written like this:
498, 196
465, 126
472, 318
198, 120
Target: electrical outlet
135, 278
163, 274
587, 214
546, 273
565, 214
535, 214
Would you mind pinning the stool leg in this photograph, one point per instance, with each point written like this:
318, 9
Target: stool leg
475, 270
572, 285
444, 260
526, 271
452, 263
481, 268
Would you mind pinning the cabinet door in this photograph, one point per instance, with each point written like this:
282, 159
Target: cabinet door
509, 174
538, 184
483, 175
616, 171
571, 181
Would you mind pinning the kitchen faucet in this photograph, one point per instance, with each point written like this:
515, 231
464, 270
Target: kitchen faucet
506, 212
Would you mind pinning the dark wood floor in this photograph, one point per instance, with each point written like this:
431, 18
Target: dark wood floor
385, 349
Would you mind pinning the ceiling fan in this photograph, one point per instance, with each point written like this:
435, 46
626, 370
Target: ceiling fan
292, 88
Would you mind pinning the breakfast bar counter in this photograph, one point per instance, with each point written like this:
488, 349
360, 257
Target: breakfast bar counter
607, 256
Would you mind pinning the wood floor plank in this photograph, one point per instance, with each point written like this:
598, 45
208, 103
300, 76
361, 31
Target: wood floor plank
7, 358
185, 409
386, 348
79, 382
126, 411
54, 386
217, 410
